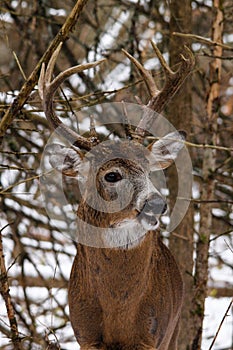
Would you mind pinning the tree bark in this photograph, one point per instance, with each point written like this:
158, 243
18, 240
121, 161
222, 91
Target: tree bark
180, 115
208, 169
5, 292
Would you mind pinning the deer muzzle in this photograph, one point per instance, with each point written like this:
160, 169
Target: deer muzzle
152, 209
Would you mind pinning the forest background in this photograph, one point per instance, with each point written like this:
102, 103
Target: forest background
35, 257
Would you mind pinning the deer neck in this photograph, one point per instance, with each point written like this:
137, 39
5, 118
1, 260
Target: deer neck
127, 272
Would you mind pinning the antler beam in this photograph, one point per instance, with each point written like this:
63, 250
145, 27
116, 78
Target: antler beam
48, 87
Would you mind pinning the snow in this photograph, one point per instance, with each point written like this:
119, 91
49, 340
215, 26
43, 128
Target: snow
215, 310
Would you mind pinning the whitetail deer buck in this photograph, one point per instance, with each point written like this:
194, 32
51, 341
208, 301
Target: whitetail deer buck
127, 297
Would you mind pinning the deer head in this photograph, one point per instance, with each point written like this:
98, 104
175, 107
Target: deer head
117, 172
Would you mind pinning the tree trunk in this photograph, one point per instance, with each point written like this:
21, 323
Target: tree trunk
180, 115
208, 169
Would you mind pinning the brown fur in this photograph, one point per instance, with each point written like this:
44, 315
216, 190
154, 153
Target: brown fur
125, 299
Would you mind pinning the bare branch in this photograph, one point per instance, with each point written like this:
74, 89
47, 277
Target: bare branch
28, 86
221, 323
5, 292
204, 40
199, 145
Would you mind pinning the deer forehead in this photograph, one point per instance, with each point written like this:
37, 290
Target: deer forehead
125, 155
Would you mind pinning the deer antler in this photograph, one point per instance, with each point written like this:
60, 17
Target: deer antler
173, 81
47, 89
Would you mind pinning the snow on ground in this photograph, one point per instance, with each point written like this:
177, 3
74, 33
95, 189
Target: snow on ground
214, 313
215, 310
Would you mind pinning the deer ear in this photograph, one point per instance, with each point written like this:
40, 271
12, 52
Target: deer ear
165, 151
69, 161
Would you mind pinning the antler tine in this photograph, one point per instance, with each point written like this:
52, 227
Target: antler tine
47, 89
51, 64
93, 132
173, 81
46, 75
128, 129
148, 79
68, 72
165, 66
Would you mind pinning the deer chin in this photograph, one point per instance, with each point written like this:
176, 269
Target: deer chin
127, 235
148, 222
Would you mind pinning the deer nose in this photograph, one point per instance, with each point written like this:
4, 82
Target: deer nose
155, 205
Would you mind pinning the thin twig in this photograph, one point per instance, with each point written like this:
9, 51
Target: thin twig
196, 145
215, 56
203, 40
19, 153
6, 190
227, 244
221, 234
5, 292
220, 148
221, 323
19, 65
11, 167
212, 201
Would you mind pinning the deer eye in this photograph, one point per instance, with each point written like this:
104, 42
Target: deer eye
113, 176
